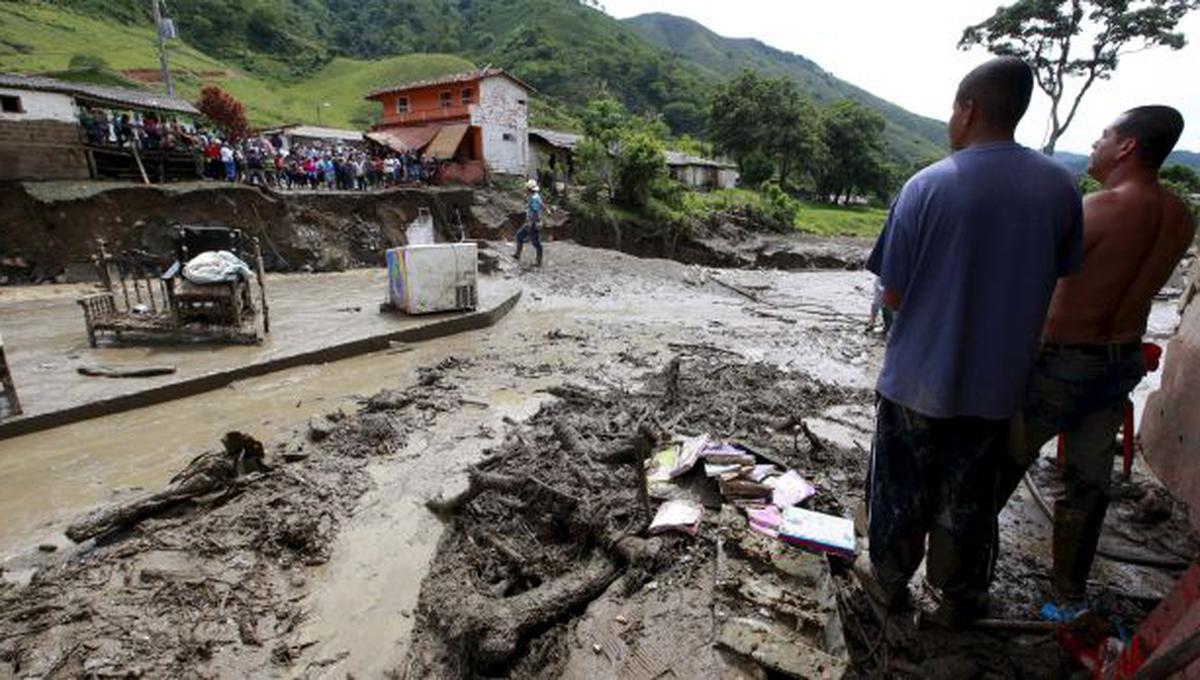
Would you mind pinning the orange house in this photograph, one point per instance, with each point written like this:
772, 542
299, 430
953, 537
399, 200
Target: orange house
474, 122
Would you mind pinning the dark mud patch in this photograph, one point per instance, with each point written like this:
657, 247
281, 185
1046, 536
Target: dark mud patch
215, 586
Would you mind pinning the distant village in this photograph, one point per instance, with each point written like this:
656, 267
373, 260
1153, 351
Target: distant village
460, 129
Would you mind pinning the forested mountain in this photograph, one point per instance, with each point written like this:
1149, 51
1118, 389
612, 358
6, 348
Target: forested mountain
569, 50
911, 135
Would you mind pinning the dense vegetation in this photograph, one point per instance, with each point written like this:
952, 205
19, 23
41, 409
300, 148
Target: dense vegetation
570, 51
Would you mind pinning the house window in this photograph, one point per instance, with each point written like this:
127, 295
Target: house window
402, 105
447, 100
508, 137
10, 104
466, 96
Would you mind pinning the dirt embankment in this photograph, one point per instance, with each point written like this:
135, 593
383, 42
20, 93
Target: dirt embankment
51, 228
725, 239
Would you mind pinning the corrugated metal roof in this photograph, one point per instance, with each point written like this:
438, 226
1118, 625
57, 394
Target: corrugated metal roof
562, 140
446, 142
469, 76
122, 96
316, 132
679, 158
404, 138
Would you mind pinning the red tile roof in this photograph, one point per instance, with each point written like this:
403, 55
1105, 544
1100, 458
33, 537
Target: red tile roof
468, 77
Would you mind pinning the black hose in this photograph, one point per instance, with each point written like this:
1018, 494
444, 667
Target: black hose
1107, 551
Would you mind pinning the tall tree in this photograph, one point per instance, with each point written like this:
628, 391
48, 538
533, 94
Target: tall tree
852, 135
1083, 40
752, 118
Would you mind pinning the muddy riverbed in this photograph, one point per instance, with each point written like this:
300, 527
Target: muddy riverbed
315, 568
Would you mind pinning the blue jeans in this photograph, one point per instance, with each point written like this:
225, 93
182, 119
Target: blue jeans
1080, 392
530, 231
933, 477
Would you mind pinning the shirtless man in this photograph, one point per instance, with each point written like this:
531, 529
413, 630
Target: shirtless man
1135, 232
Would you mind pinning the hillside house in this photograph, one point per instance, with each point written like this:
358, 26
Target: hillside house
475, 122
701, 173
42, 136
552, 156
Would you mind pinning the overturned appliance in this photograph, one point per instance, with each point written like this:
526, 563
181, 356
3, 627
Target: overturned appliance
205, 294
425, 277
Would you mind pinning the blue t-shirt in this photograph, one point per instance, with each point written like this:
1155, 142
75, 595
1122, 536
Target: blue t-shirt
974, 245
534, 210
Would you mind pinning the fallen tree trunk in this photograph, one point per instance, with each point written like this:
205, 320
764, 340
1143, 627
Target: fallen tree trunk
207, 473
479, 482
498, 625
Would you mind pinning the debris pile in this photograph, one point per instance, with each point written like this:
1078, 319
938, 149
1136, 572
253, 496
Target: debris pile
207, 578
621, 500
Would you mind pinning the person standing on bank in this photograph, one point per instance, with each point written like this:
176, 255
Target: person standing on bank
1135, 232
968, 258
532, 229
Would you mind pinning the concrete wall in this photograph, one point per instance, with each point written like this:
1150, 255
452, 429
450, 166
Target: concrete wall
41, 149
502, 113
41, 106
1171, 422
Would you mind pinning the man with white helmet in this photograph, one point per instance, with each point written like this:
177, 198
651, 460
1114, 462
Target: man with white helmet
533, 222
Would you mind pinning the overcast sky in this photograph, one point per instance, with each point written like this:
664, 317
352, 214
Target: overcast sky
906, 53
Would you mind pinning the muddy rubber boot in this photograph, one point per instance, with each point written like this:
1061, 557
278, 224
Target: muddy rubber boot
1076, 536
539, 257
517, 255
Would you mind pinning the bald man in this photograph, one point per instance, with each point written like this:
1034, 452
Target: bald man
969, 258
1135, 233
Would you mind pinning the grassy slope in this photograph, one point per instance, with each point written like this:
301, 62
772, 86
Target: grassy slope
811, 218
38, 38
909, 136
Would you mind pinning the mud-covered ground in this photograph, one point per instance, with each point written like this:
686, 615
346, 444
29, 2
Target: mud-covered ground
329, 563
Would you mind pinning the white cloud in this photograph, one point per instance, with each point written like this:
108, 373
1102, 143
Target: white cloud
906, 52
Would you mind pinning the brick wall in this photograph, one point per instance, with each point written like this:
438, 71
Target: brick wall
41, 149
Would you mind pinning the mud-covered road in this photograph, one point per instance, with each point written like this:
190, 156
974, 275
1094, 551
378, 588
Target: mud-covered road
339, 596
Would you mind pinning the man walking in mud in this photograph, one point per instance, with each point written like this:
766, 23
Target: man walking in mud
532, 229
1135, 232
969, 258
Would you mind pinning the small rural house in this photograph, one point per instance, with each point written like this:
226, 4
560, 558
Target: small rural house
287, 137
475, 122
42, 135
701, 173
552, 156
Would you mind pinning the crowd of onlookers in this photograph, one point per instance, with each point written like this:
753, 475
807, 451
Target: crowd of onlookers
104, 127
264, 162
261, 160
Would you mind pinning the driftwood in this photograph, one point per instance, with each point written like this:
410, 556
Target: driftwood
479, 482
498, 624
125, 372
207, 473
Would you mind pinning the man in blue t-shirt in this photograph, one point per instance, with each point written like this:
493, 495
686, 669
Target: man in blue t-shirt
532, 229
969, 258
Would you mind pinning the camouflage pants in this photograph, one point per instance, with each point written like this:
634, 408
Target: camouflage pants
935, 478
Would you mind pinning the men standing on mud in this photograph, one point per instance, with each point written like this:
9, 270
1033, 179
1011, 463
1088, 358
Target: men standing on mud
532, 229
969, 258
1135, 233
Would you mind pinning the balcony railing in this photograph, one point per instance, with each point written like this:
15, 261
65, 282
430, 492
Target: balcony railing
429, 114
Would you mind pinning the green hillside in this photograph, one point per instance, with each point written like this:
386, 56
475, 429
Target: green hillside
909, 135
39, 38
285, 58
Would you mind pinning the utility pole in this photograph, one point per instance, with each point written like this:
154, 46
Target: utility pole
162, 47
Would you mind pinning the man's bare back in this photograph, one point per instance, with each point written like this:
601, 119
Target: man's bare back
1134, 235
